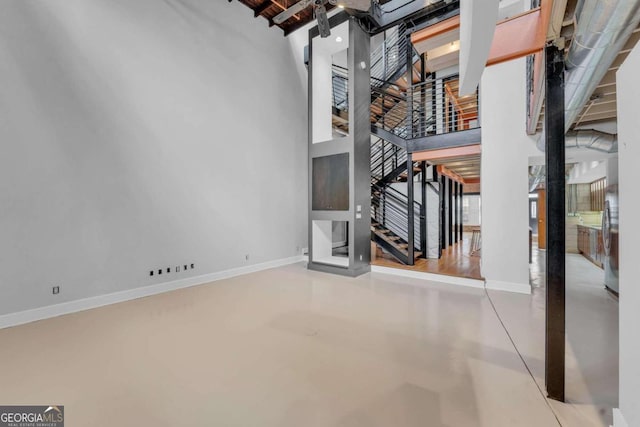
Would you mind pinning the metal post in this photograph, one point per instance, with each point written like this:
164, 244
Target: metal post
443, 212
451, 208
461, 212
384, 58
436, 180
423, 210
455, 212
383, 159
555, 256
410, 87
423, 96
410, 215
434, 103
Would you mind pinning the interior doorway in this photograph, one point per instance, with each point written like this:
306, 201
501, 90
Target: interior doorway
533, 213
542, 219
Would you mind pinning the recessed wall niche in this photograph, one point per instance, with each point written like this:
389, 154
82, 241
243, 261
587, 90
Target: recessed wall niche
330, 243
329, 90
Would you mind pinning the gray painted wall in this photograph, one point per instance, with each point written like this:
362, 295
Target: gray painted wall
139, 135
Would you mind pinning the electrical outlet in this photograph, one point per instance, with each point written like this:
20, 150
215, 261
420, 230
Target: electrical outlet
185, 267
151, 273
193, 266
56, 290
168, 269
178, 269
159, 271
246, 257
360, 257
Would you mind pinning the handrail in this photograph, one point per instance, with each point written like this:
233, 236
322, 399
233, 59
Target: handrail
389, 208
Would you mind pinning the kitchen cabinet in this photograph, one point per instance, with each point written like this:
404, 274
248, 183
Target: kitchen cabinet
590, 244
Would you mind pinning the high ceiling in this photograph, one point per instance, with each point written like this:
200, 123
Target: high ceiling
601, 107
268, 9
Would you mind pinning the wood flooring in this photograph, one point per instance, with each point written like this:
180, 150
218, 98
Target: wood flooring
455, 261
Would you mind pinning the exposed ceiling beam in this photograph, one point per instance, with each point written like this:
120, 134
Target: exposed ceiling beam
449, 173
260, 9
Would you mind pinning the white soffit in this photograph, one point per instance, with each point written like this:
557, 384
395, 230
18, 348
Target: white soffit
443, 56
477, 25
437, 41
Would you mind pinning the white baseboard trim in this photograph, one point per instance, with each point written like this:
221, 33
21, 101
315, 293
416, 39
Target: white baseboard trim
519, 288
28, 316
618, 419
452, 280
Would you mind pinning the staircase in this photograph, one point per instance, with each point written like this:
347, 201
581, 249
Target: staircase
389, 206
402, 112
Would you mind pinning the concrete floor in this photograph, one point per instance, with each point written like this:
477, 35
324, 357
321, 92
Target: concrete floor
288, 347
592, 339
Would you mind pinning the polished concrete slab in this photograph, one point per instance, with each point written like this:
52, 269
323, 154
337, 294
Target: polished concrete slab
282, 347
591, 344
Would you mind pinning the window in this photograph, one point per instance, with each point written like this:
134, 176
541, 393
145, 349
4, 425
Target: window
534, 209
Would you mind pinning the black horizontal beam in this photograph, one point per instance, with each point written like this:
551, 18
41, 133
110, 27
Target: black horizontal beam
389, 136
334, 21
412, 13
446, 140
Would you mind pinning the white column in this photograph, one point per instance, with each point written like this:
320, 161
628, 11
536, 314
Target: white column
629, 175
504, 177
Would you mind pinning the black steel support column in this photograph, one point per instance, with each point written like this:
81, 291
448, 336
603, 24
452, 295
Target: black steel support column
443, 212
461, 231
436, 180
423, 209
434, 104
423, 95
555, 256
410, 214
451, 208
456, 216
409, 122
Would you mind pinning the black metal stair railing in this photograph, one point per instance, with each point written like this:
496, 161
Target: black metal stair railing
437, 108
434, 107
390, 228
389, 208
386, 158
388, 61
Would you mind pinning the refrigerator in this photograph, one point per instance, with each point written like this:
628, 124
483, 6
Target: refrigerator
610, 223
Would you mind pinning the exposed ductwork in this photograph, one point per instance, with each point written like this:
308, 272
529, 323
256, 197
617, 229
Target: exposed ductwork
537, 175
587, 139
592, 139
577, 139
603, 27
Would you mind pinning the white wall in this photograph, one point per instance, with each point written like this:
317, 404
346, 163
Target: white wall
143, 135
473, 216
629, 175
504, 177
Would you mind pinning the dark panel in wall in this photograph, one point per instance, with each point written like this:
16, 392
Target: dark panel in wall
331, 183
